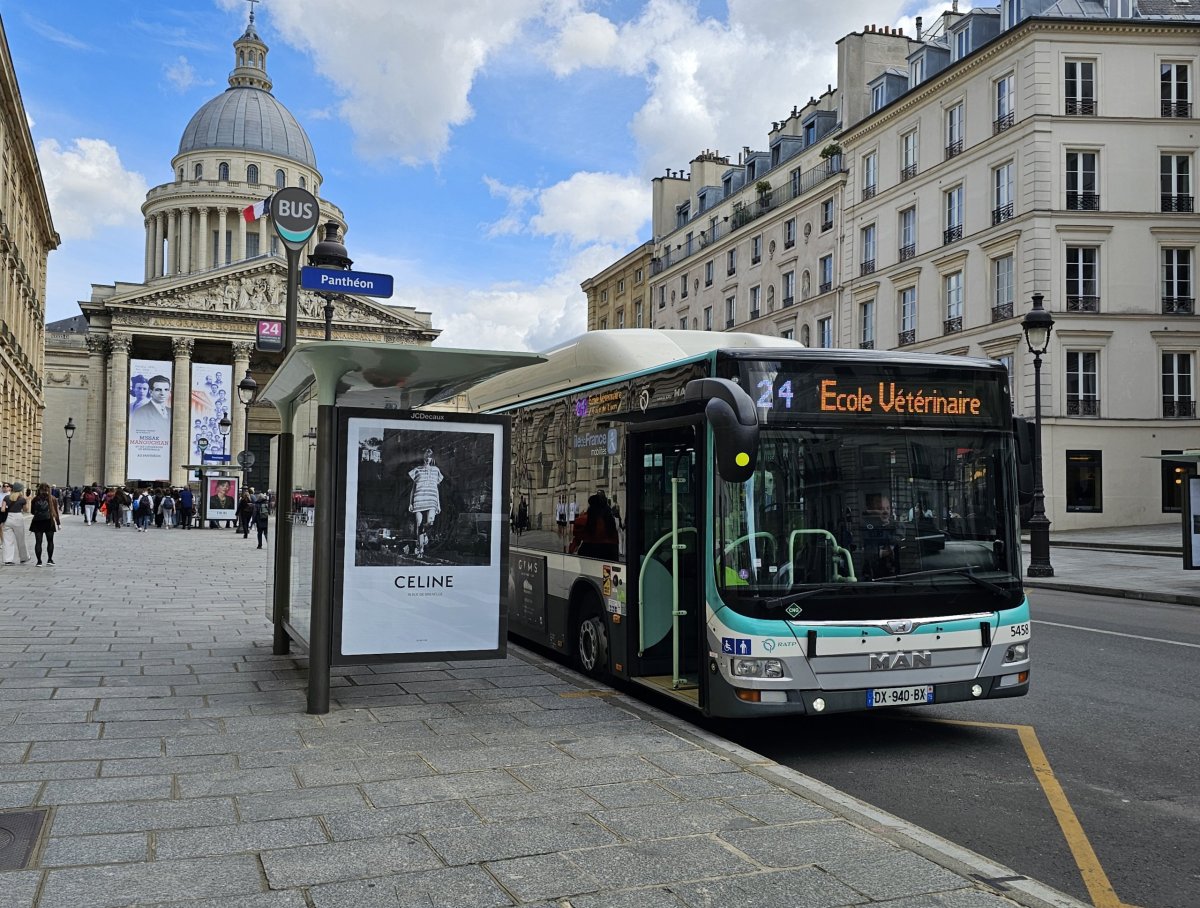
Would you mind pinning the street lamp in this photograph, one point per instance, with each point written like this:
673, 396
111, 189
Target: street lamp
330, 253
202, 444
69, 430
246, 390
223, 427
1037, 325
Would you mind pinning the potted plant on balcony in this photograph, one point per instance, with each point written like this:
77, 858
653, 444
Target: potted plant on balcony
763, 188
832, 155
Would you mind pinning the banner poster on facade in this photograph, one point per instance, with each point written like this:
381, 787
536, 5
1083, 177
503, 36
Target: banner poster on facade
222, 492
422, 535
149, 437
211, 388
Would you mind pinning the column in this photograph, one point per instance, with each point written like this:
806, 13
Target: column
241, 362
185, 241
93, 424
172, 243
205, 261
149, 266
264, 235
221, 258
158, 244
181, 412
116, 421
241, 240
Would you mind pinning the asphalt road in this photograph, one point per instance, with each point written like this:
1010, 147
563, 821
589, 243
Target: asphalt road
1116, 711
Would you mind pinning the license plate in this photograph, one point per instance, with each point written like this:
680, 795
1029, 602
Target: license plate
900, 696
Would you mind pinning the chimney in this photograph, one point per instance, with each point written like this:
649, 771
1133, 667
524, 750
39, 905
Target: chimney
919, 28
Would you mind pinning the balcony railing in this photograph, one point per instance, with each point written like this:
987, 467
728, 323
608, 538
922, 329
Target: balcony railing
907, 252
1083, 304
1002, 214
824, 286
1083, 406
789, 243
729, 323
1001, 311
952, 325
867, 267
1083, 201
1080, 107
754, 313
1176, 108
1178, 409
954, 148
952, 234
867, 345
908, 337
755, 259
1177, 203
1178, 305
826, 225
1003, 122
908, 172
787, 301
868, 192
731, 271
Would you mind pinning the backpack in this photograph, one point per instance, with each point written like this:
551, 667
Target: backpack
41, 509
89, 497
168, 503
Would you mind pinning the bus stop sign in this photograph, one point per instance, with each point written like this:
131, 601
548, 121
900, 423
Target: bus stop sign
295, 213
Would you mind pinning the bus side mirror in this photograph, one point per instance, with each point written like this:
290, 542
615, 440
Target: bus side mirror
1023, 436
734, 420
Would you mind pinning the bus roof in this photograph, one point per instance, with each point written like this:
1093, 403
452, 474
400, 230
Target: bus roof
601, 355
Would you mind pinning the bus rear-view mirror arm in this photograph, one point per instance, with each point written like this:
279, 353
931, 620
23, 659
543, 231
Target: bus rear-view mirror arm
734, 420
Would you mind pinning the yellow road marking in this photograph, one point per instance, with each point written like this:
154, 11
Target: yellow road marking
1094, 877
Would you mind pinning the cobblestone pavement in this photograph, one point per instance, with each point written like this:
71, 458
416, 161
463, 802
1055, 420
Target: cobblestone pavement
141, 706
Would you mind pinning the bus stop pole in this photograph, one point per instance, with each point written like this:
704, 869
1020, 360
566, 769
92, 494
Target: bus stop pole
320, 641
282, 592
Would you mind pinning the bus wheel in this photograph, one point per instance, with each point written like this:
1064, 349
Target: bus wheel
591, 642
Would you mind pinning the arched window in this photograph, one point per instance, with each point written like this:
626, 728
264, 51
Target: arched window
223, 171
180, 174
241, 58
280, 179
198, 173
252, 174
303, 183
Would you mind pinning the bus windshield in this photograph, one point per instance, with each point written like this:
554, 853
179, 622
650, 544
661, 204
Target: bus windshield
853, 523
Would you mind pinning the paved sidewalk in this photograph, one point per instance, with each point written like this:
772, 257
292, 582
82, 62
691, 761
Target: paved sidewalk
140, 704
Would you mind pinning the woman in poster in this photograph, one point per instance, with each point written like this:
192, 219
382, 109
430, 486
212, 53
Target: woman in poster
425, 502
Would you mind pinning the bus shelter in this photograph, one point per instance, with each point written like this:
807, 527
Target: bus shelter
405, 557
1188, 462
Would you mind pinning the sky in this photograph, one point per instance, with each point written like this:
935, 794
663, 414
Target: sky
489, 154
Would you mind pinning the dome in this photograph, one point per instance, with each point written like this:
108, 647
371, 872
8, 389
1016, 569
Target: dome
245, 118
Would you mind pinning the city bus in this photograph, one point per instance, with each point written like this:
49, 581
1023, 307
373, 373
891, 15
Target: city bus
754, 528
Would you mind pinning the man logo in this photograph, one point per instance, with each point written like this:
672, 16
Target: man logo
889, 661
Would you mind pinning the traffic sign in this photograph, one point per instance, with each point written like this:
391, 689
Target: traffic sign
332, 280
295, 213
245, 459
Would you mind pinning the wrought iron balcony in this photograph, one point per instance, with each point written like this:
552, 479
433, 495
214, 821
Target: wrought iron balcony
1177, 203
755, 259
731, 271
907, 252
952, 325
826, 225
908, 337
1003, 122
1001, 214
1002, 311
867, 193
1083, 406
867, 267
1080, 107
908, 172
952, 234
1178, 409
729, 323
788, 244
1178, 305
954, 148
1176, 109
754, 313
1083, 201
867, 345
825, 286
787, 301
1083, 304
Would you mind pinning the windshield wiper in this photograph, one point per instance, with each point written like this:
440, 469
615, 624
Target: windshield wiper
969, 573
781, 601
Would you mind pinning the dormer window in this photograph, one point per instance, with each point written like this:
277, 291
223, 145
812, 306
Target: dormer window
810, 134
916, 72
962, 42
727, 186
683, 214
877, 97
1010, 13
223, 171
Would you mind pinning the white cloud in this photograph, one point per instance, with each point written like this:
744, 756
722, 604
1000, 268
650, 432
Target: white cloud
403, 70
586, 39
182, 75
590, 208
88, 187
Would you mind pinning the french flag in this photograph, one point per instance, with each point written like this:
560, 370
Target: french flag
257, 210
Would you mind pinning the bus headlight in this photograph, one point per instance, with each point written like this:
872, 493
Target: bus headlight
1018, 652
758, 668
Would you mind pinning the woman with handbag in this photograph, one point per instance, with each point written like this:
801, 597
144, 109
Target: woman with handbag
46, 519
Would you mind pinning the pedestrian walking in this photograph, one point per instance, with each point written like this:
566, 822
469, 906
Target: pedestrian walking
185, 507
76, 497
144, 511
46, 519
245, 513
166, 509
262, 518
90, 502
16, 507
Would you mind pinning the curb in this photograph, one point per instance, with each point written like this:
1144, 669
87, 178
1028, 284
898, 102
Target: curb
1110, 592
973, 867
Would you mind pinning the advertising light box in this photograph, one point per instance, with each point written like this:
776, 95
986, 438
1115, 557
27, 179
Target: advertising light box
421, 567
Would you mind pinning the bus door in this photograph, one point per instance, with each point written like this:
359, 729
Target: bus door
666, 558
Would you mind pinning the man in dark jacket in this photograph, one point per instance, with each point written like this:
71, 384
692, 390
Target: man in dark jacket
185, 507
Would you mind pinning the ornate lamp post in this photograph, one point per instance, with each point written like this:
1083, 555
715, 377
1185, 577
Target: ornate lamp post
202, 444
1037, 325
330, 253
224, 427
246, 390
69, 430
